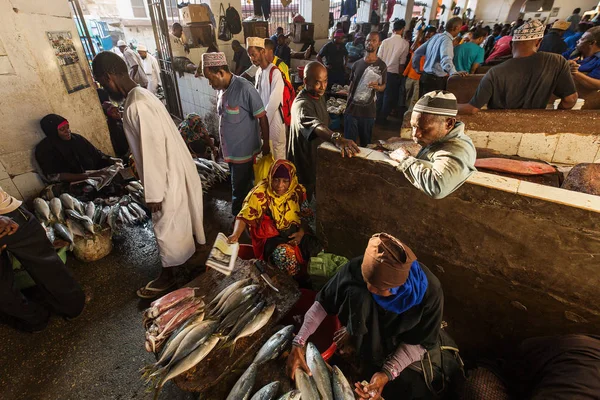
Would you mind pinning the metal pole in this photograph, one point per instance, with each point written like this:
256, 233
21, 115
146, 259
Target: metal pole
81, 18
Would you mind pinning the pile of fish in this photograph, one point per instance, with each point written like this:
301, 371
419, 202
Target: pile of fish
322, 385
66, 216
211, 172
336, 105
183, 331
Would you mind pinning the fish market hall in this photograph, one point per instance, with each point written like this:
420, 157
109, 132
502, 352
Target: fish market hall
299, 200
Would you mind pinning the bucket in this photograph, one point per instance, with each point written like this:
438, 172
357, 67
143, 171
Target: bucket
323, 337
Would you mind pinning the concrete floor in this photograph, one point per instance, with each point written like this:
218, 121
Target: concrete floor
99, 355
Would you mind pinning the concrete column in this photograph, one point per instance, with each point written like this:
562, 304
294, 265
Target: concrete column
317, 12
363, 14
408, 11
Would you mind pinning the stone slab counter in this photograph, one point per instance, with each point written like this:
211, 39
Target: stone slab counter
516, 259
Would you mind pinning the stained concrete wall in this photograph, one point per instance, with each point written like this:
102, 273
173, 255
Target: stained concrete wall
34, 88
497, 11
515, 259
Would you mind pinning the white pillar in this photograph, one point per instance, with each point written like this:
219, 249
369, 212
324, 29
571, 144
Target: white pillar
410, 4
317, 12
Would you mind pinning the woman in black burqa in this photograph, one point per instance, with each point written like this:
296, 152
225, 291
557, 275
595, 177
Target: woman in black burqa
64, 156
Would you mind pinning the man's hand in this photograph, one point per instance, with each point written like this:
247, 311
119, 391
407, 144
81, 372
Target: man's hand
373, 390
460, 73
296, 238
347, 147
297, 359
7, 226
374, 85
266, 149
399, 154
154, 207
574, 66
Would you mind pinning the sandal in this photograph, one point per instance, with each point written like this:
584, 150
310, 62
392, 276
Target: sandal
149, 292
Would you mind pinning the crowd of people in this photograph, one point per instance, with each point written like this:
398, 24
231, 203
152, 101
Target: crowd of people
267, 118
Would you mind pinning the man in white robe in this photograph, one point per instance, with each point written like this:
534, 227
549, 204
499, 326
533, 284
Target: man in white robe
270, 86
151, 68
172, 187
134, 64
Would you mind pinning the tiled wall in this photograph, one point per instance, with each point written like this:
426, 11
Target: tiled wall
198, 97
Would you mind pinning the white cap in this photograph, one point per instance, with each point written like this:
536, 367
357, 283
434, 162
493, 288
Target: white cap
141, 47
121, 43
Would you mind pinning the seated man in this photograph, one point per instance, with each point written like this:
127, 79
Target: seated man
240, 58
64, 156
447, 157
553, 42
25, 238
587, 71
391, 306
528, 80
180, 50
469, 55
283, 51
356, 48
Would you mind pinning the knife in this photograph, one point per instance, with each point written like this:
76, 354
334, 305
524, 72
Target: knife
260, 266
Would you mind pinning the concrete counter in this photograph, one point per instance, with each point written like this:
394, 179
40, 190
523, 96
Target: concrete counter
516, 259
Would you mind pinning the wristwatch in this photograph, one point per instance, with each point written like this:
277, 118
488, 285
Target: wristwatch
336, 136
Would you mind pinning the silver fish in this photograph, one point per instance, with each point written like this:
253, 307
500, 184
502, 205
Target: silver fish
233, 317
341, 387
57, 209
137, 185
238, 297
104, 215
320, 372
78, 206
256, 324
128, 215
67, 201
176, 337
193, 339
140, 211
267, 392
113, 215
90, 210
188, 362
50, 233
243, 387
84, 220
293, 395
42, 209
275, 345
245, 319
306, 385
224, 294
97, 214
63, 232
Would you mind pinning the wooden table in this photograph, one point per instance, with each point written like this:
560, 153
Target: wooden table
219, 368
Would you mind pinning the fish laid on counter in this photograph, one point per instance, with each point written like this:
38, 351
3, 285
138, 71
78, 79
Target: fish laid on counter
517, 167
292, 395
42, 209
257, 324
275, 345
235, 299
319, 370
244, 320
169, 300
63, 232
177, 336
243, 387
84, 220
267, 392
341, 387
225, 293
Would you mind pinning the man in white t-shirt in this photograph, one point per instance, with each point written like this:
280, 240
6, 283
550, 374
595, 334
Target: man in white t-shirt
134, 64
270, 86
179, 50
393, 52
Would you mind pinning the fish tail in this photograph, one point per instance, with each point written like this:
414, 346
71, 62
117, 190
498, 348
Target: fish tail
147, 371
232, 345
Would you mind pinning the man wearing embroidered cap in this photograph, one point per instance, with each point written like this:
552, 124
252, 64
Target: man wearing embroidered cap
553, 42
151, 68
386, 287
526, 81
242, 118
447, 155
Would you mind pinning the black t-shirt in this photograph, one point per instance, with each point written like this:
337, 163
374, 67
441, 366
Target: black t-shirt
526, 82
241, 58
553, 43
334, 55
364, 109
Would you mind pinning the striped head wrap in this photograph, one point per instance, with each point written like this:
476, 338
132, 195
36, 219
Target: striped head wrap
438, 102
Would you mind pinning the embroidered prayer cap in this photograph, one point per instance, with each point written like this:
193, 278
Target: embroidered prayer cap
121, 43
386, 263
141, 47
213, 60
255, 42
531, 30
561, 25
439, 102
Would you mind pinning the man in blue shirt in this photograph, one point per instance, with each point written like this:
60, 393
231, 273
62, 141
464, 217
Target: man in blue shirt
587, 71
278, 32
572, 40
439, 59
470, 55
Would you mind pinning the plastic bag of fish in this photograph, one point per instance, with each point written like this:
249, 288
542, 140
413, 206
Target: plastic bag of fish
211, 172
182, 331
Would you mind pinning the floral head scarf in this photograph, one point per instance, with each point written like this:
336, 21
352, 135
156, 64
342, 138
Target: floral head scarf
192, 128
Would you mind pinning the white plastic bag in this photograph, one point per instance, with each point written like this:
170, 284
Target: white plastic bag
362, 94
